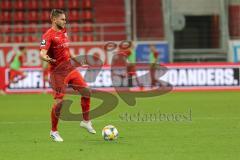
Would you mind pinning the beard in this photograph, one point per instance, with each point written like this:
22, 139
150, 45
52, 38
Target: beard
59, 26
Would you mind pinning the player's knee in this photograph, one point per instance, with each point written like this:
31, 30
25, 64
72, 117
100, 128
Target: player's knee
86, 92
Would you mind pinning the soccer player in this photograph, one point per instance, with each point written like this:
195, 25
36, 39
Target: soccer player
131, 65
127, 57
15, 74
153, 58
54, 49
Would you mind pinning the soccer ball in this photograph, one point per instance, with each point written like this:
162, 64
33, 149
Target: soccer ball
109, 133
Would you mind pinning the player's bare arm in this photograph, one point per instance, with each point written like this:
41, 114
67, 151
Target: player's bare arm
45, 57
77, 60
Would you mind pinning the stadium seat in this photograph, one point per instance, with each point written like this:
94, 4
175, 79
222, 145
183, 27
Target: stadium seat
1, 18
18, 16
58, 4
18, 39
87, 16
2, 38
88, 27
5, 5
32, 28
75, 38
88, 38
44, 16
87, 4
6, 28
74, 15
7, 38
32, 5
45, 4
5, 16
31, 38
73, 4
32, 16
18, 28
19, 5
75, 27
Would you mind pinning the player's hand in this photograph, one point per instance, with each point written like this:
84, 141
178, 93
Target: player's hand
45, 57
51, 60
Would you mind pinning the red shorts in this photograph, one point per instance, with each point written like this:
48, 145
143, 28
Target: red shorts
131, 69
14, 73
59, 83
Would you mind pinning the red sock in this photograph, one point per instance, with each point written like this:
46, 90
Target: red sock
55, 115
85, 103
44, 84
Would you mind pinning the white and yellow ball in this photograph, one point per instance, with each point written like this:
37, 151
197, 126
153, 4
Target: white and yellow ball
109, 133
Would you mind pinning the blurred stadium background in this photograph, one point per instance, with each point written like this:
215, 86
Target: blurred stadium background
198, 41
197, 31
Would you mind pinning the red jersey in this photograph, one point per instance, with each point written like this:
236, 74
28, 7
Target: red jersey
155, 54
120, 59
125, 52
57, 44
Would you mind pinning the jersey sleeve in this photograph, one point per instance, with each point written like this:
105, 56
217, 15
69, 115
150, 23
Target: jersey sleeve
46, 41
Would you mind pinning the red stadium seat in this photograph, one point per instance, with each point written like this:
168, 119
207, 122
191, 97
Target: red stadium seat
88, 27
58, 4
75, 27
74, 15
5, 16
19, 5
32, 16
18, 28
32, 28
33, 4
73, 4
5, 5
44, 15
2, 38
31, 38
7, 38
45, 4
18, 16
18, 39
87, 15
87, 4
75, 38
88, 38
6, 28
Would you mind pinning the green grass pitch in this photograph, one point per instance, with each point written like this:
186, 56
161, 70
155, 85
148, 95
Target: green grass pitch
212, 133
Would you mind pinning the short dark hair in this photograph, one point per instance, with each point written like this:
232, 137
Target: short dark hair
56, 13
21, 48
